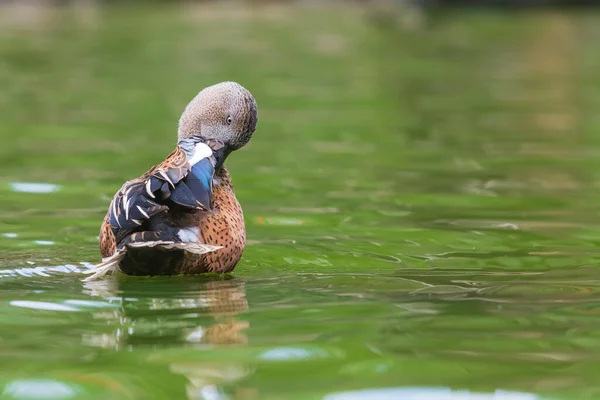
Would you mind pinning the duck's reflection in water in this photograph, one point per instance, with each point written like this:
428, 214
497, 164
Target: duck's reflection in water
192, 316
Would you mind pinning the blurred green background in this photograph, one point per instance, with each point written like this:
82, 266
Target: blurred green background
420, 200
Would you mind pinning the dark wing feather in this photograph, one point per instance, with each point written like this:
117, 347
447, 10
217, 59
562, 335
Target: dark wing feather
171, 182
130, 208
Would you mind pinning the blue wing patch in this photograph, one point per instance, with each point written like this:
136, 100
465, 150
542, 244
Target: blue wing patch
196, 187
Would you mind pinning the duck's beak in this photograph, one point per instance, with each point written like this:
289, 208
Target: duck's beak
220, 152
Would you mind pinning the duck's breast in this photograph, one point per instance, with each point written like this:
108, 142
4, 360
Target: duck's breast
225, 227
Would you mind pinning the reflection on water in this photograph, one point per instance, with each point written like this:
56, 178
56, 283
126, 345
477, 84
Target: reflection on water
206, 316
30, 187
40, 389
421, 205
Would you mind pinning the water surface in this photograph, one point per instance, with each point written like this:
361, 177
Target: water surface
421, 205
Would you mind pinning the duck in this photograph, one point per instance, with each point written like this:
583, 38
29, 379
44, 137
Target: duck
182, 216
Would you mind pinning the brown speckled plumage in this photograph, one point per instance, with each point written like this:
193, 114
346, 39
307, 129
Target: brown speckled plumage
223, 228
108, 243
223, 118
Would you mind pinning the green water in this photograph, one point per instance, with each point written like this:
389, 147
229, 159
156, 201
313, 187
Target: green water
421, 205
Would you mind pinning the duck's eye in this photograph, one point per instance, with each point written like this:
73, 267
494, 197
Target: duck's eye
229, 120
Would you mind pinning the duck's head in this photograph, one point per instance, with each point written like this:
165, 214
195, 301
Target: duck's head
225, 112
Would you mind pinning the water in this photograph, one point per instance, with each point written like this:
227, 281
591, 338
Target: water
421, 205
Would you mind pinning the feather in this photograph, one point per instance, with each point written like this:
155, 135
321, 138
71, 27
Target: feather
111, 264
165, 191
144, 213
131, 207
166, 177
149, 188
201, 152
107, 265
183, 196
126, 201
199, 181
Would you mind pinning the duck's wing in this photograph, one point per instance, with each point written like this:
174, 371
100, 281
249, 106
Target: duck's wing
184, 180
173, 183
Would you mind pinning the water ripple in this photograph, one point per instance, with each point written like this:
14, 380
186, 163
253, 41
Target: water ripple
428, 394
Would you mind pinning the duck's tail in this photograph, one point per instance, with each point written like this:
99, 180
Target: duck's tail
110, 264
